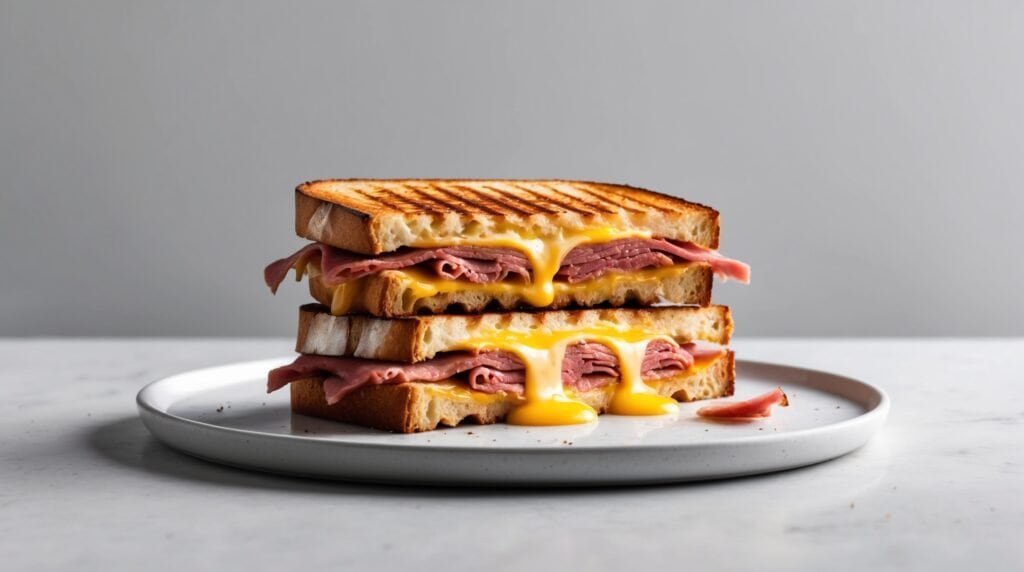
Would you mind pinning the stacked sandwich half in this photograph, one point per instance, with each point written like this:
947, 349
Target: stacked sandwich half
529, 302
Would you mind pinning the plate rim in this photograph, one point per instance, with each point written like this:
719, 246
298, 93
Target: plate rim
879, 410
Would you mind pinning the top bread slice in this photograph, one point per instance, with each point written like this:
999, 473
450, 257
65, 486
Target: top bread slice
420, 338
373, 216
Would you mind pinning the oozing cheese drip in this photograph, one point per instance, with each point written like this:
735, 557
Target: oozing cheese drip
542, 352
458, 391
633, 397
545, 254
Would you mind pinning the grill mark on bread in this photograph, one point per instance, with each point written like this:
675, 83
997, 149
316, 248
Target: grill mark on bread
402, 202
565, 208
483, 201
455, 205
366, 198
514, 192
382, 212
653, 204
662, 201
386, 193
602, 193
375, 194
508, 200
436, 194
370, 192
622, 203
573, 194
570, 200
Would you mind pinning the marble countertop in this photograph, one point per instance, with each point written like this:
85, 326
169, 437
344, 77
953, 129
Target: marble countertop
84, 486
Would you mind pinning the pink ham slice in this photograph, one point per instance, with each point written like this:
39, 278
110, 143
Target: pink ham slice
470, 263
760, 406
346, 374
586, 366
483, 264
589, 261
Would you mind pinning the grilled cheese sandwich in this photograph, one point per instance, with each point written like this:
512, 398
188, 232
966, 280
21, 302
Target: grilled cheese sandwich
540, 342
398, 249
586, 254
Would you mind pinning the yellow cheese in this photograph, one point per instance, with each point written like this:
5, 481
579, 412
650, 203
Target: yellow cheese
633, 397
542, 352
545, 401
452, 390
343, 296
422, 284
702, 363
459, 391
544, 253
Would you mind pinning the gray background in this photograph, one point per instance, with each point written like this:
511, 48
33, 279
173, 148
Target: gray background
866, 156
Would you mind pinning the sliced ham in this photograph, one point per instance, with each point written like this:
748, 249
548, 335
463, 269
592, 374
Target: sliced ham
704, 350
346, 374
586, 366
760, 406
481, 265
589, 261
471, 263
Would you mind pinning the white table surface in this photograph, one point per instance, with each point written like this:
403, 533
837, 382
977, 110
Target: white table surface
84, 486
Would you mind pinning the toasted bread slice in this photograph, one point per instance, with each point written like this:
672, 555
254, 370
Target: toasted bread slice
420, 338
376, 216
415, 407
393, 293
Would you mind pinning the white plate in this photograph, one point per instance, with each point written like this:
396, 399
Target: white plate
222, 414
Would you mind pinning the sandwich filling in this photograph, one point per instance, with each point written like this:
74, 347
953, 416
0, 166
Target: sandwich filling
532, 265
584, 365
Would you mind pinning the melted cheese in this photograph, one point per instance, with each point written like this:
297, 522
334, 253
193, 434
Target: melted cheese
456, 391
633, 396
542, 351
545, 401
702, 363
544, 253
343, 296
459, 391
422, 284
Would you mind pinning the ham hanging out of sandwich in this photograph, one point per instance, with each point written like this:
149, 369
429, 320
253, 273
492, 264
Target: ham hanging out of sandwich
586, 366
411, 247
484, 265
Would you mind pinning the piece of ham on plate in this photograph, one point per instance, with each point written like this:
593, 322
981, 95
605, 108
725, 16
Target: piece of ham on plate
760, 406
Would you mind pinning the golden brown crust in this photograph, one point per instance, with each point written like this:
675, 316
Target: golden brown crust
418, 338
372, 216
415, 407
341, 226
387, 407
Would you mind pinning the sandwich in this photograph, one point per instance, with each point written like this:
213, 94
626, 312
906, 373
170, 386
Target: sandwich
401, 248
548, 368
441, 302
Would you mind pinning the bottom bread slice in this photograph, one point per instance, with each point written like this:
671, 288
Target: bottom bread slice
415, 407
